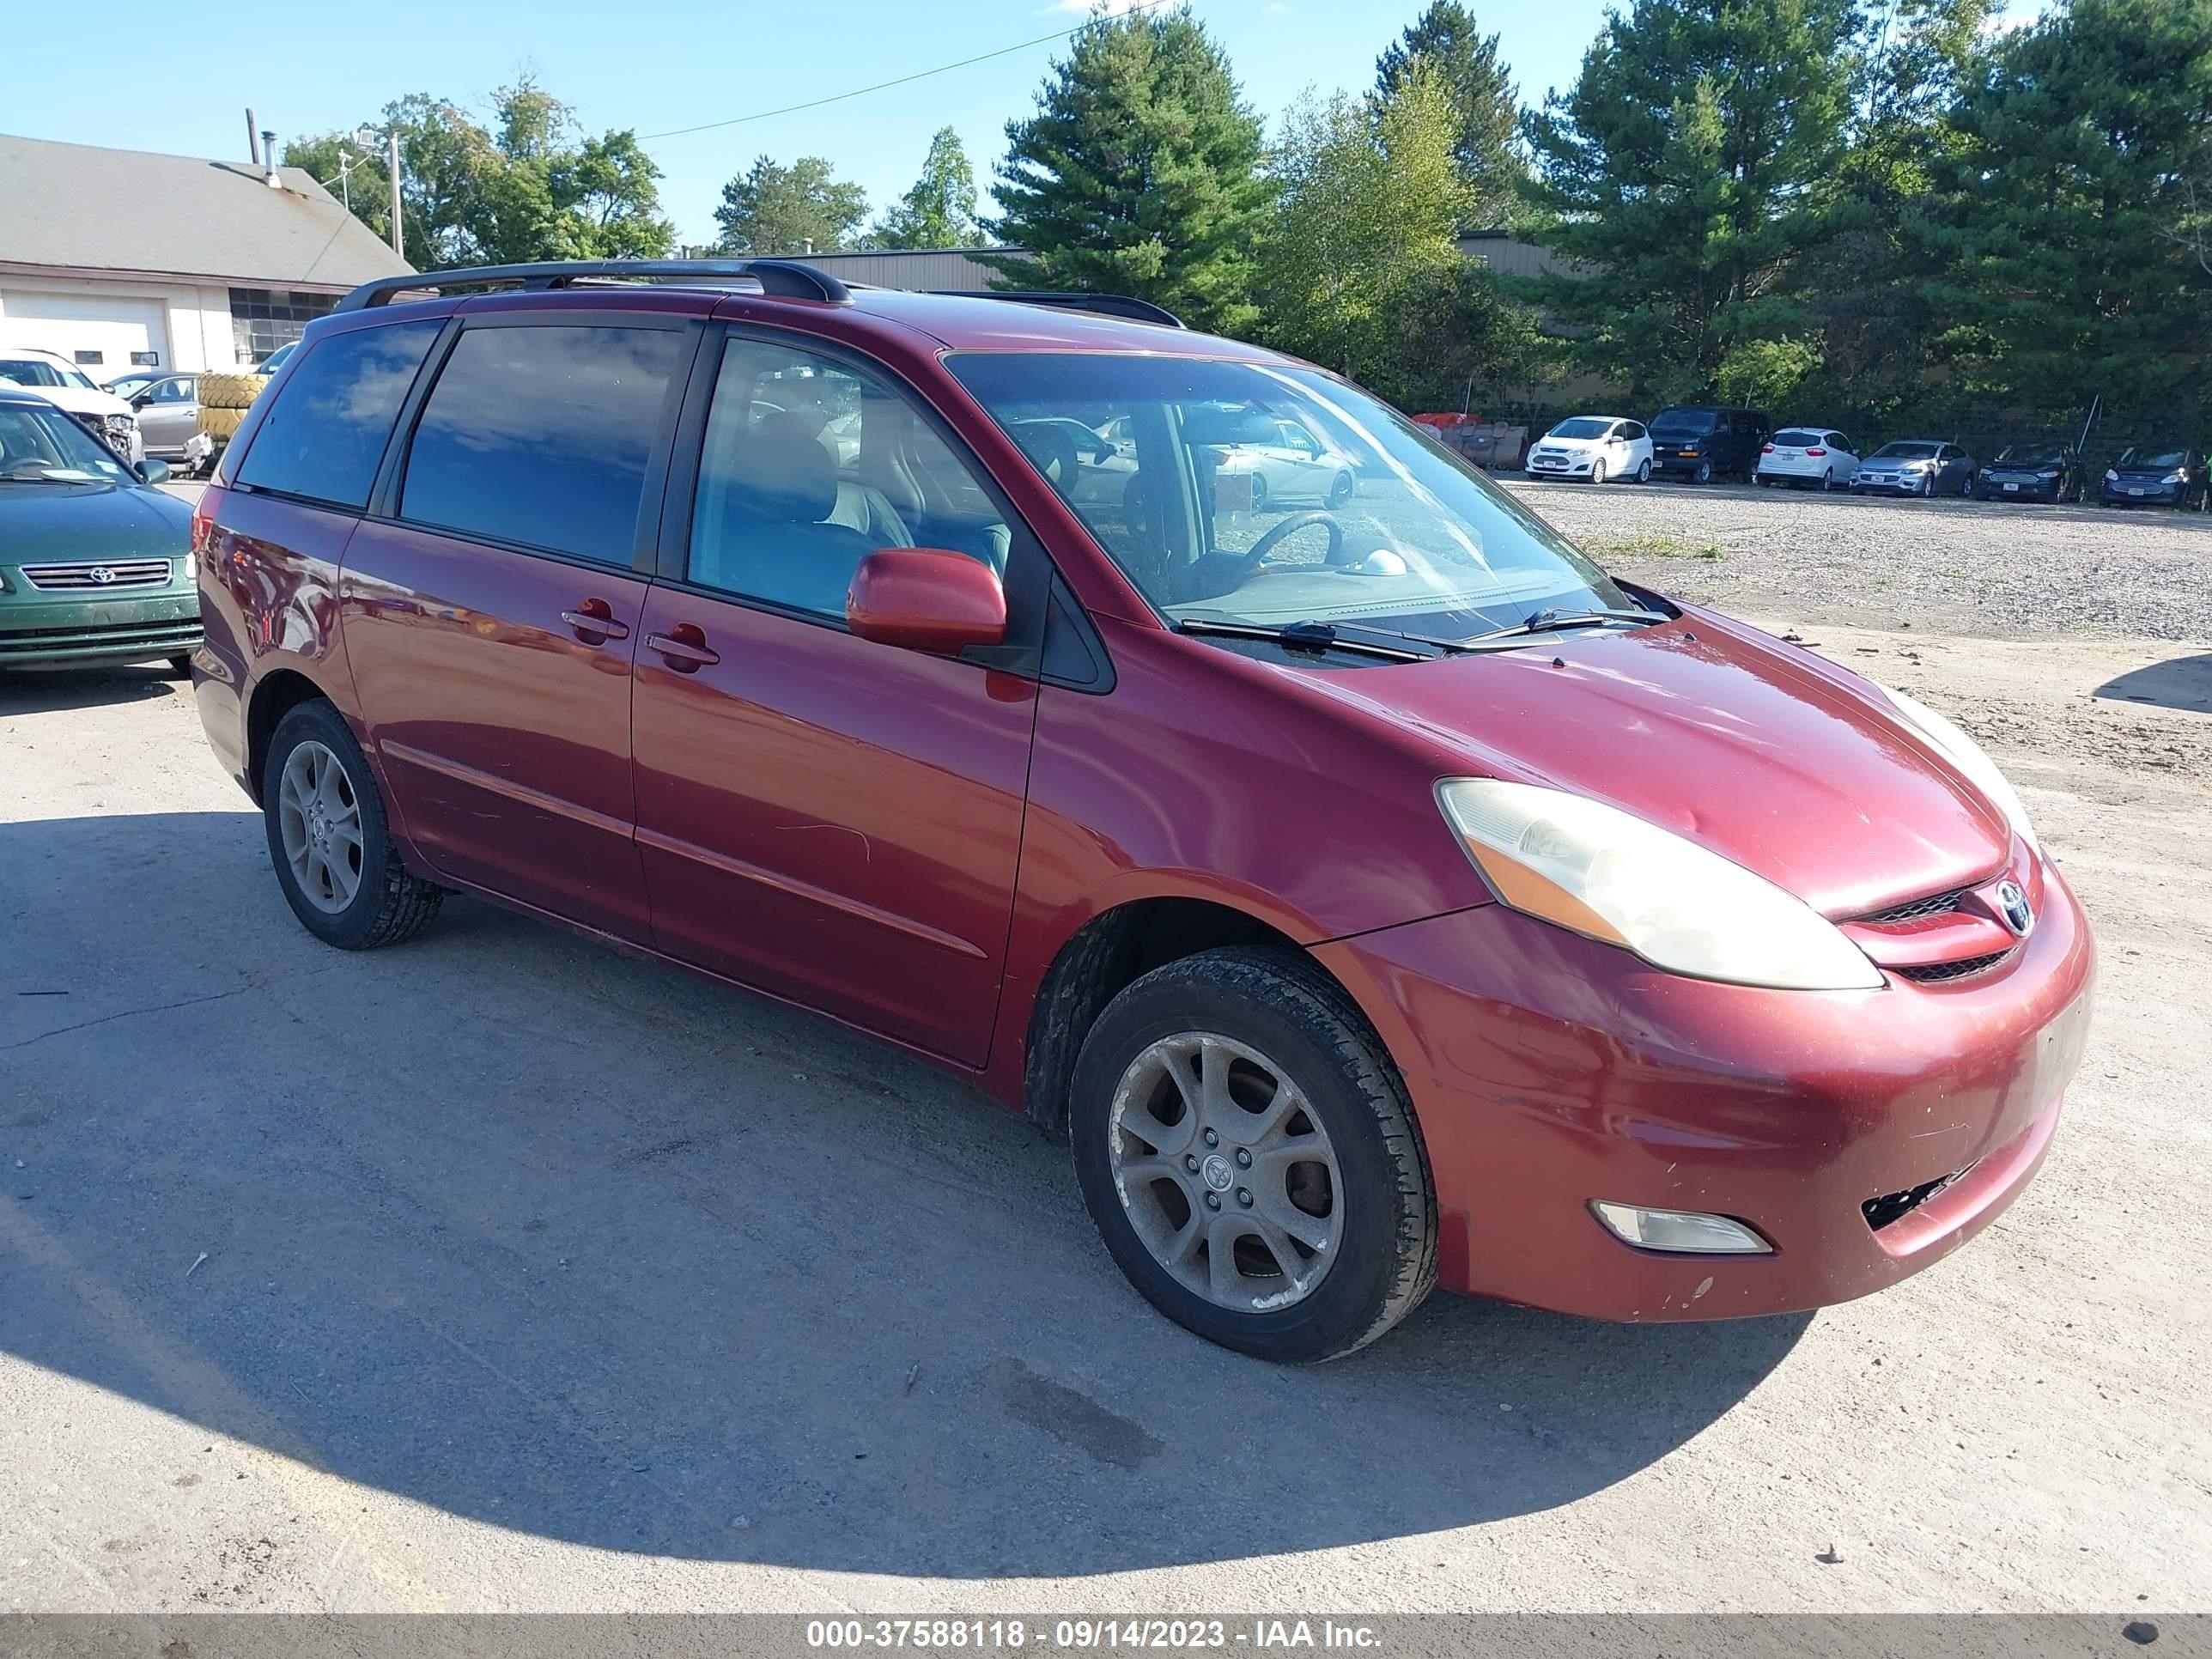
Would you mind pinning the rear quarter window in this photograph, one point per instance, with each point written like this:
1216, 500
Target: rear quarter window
324, 434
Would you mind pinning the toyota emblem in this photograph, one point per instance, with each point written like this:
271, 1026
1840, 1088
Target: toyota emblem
102, 575
2012, 904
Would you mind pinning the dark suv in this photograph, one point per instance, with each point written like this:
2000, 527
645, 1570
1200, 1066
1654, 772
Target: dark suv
1375, 892
1701, 442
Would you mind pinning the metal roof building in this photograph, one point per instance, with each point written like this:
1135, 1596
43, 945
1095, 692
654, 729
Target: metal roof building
114, 258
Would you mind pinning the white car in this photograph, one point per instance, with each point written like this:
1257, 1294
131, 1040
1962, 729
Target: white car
1287, 463
1809, 455
1592, 447
66, 385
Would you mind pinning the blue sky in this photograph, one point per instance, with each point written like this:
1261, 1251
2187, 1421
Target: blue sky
655, 65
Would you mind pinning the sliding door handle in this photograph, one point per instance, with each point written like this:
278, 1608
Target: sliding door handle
683, 648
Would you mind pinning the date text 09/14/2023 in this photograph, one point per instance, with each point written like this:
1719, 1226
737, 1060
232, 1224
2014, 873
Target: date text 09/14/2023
940, 1635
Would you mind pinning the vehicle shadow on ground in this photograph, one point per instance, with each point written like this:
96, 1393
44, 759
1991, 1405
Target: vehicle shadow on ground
2183, 683
550, 1236
53, 691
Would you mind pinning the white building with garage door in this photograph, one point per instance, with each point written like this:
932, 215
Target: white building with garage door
114, 258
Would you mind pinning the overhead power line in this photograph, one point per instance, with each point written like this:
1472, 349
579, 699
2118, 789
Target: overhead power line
903, 80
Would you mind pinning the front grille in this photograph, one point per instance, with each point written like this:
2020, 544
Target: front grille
86, 575
1895, 1207
1936, 904
1935, 972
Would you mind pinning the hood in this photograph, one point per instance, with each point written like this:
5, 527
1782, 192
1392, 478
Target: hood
48, 522
78, 400
1754, 748
1549, 442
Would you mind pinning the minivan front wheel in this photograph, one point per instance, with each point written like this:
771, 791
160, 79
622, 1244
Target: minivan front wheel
329, 838
1247, 1152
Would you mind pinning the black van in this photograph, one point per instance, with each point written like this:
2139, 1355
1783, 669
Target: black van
1700, 441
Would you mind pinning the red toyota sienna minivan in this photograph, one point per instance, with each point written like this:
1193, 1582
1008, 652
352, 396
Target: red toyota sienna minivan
1171, 738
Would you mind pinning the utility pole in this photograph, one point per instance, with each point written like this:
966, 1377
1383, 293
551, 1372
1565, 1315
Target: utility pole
399, 247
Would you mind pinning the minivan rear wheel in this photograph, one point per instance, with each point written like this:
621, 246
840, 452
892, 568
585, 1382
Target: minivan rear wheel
329, 840
1247, 1152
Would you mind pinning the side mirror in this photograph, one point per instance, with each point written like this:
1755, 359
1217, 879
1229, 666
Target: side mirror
925, 598
141, 400
154, 472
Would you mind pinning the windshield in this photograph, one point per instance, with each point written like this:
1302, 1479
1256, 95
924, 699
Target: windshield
36, 371
36, 442
1192, 475
2030, 455
1582, 426
2150, 455
1906, 452
1688, 422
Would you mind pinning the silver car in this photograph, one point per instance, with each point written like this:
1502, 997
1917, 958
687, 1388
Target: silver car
168, 412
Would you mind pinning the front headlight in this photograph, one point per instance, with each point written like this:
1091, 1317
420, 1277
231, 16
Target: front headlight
2111, 476
1611, 876
2175, 477
1963, 752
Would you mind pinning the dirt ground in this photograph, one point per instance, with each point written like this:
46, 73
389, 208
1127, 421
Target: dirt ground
498, 1271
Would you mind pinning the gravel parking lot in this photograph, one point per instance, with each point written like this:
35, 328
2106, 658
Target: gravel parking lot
500, 1272
1960, 565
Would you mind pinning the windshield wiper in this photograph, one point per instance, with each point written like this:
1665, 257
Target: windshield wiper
1321, 636
1551, 622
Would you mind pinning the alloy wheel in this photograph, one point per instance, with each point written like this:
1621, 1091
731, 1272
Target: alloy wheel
1597, 472
319, 818
1225, 1172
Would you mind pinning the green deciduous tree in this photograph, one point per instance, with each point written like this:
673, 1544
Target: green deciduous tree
1486, 109
1139, 174
2058, 208
1361, 270
529, 185
770, 209
939, 211
1686, 171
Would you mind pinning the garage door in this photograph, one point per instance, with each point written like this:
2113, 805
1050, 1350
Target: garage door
75, 325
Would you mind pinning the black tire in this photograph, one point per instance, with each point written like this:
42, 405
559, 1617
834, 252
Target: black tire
1278, 1003
1926, 488
1339, 490
1644, 473
1702, 473
180, 667
391, 903
1259, 492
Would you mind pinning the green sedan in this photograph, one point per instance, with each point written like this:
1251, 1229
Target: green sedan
95, 563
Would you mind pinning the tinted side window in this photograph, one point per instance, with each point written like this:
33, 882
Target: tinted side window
541, 436
1631, 430
326, 431
809, 466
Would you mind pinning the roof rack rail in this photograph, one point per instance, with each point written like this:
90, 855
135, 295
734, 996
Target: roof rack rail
787, 279
1106, 304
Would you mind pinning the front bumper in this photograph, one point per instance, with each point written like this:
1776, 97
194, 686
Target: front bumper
1572, 466
1891, 484
1547, 1071
2141, 495
40, 630
1987, 488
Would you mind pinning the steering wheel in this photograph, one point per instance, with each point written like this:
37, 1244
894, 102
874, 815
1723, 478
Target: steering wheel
1249, 560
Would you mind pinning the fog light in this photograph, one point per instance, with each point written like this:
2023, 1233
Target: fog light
1684, 1231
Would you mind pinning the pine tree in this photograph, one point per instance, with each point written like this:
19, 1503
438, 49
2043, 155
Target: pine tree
1137, 174
2060, 212
939, 211
771, 208
1685, 171
1486, 108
